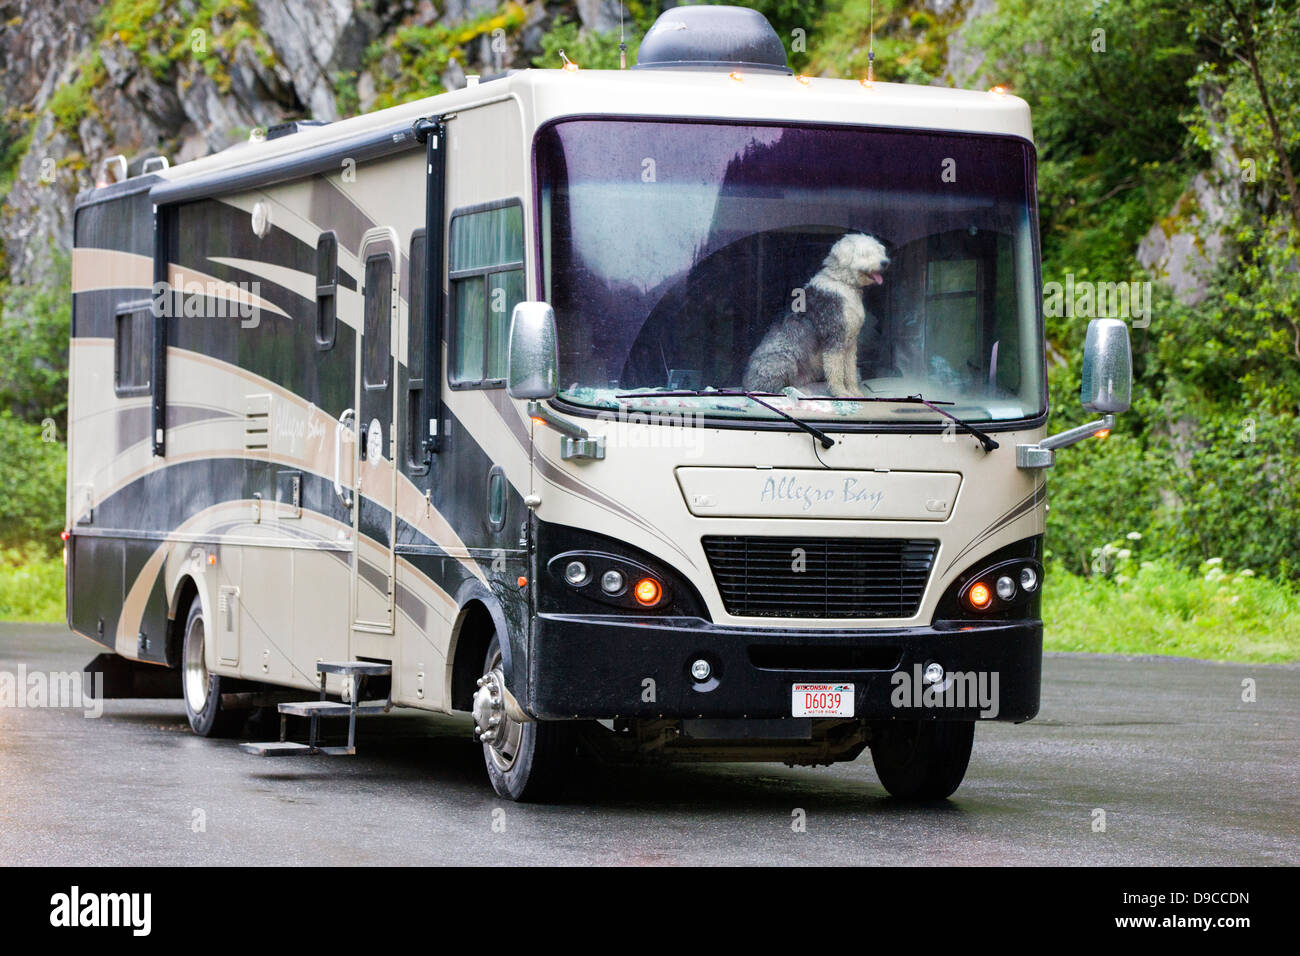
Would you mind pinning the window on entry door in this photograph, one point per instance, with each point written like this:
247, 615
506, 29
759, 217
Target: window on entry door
376, 335
486, 274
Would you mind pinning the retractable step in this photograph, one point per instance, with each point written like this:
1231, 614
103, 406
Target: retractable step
289, 748
333, 708
355, 668
313, 710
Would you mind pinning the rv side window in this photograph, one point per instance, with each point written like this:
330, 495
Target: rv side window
133, 350
487, 281
327, 261
416, 427
378, 322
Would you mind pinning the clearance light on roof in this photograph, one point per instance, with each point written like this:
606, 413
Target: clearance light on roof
737, 76
569, 65
804, 79
999, 90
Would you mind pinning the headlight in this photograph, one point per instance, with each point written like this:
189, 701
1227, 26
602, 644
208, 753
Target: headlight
1028, 579
611, 582
575, 573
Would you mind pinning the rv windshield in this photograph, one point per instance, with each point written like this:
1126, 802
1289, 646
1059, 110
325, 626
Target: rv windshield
672, 251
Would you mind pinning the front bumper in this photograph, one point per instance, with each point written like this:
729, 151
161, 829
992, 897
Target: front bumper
603, 666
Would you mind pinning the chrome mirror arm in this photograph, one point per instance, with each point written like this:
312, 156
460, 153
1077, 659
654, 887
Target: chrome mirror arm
575, 441
1043, 454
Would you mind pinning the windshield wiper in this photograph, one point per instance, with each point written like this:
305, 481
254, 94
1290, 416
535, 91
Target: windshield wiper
984, 439
826, 440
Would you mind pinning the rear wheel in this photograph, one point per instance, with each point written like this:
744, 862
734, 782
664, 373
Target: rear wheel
202, 690
526, 760
922, 759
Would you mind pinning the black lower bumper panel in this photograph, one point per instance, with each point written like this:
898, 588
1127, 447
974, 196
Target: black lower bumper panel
602, 666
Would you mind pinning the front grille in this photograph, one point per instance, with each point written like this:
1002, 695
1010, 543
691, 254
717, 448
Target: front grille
820, 577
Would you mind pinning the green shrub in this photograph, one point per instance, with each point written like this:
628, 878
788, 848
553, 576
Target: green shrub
31, 586
32, 471
1136, 606
34, 326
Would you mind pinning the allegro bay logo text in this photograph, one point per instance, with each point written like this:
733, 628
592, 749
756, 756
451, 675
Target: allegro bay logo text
98, 910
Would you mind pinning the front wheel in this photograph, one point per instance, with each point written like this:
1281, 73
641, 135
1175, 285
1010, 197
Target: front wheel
202, 690
922, 759
526, 760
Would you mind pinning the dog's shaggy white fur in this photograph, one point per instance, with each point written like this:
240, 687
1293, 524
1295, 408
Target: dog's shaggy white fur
821, 342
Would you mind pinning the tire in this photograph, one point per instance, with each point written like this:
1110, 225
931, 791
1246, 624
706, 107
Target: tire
922, 759
201, 689
531, 762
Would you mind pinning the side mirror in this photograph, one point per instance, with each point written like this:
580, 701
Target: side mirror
531, 359
1107, 367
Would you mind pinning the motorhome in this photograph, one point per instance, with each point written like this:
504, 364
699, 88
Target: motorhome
443, 407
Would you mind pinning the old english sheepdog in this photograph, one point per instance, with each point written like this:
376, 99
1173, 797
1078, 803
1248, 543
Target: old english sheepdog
821, 342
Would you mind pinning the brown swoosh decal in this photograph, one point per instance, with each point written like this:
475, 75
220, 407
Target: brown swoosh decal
1026, 504
549, 470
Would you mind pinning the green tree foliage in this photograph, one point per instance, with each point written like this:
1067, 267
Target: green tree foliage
34, 326
1108, 86
793, 20
910, 41
32, 464
588, 49
1206, 463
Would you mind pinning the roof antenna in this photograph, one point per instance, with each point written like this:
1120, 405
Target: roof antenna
622, 40
871, 43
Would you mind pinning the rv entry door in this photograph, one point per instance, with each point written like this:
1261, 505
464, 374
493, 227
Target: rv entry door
373, 516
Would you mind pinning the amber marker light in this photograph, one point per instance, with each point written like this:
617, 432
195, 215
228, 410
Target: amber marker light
523, 581
999, 90
1103, 433
979, 596
648, 592
804, 79
737, 76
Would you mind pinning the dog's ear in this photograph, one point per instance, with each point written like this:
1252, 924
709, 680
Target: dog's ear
841, 253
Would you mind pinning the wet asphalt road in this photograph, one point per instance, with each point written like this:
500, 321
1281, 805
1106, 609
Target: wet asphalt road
1185, 771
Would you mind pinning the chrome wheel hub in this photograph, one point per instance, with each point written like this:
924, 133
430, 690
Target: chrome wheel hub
499, 734
195, 668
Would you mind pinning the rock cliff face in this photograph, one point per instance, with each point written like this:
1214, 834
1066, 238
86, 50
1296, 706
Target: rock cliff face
82, 80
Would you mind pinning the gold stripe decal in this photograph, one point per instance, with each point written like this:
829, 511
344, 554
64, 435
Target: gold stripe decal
110, 269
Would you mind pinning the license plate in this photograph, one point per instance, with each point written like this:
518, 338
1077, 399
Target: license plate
822, 700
